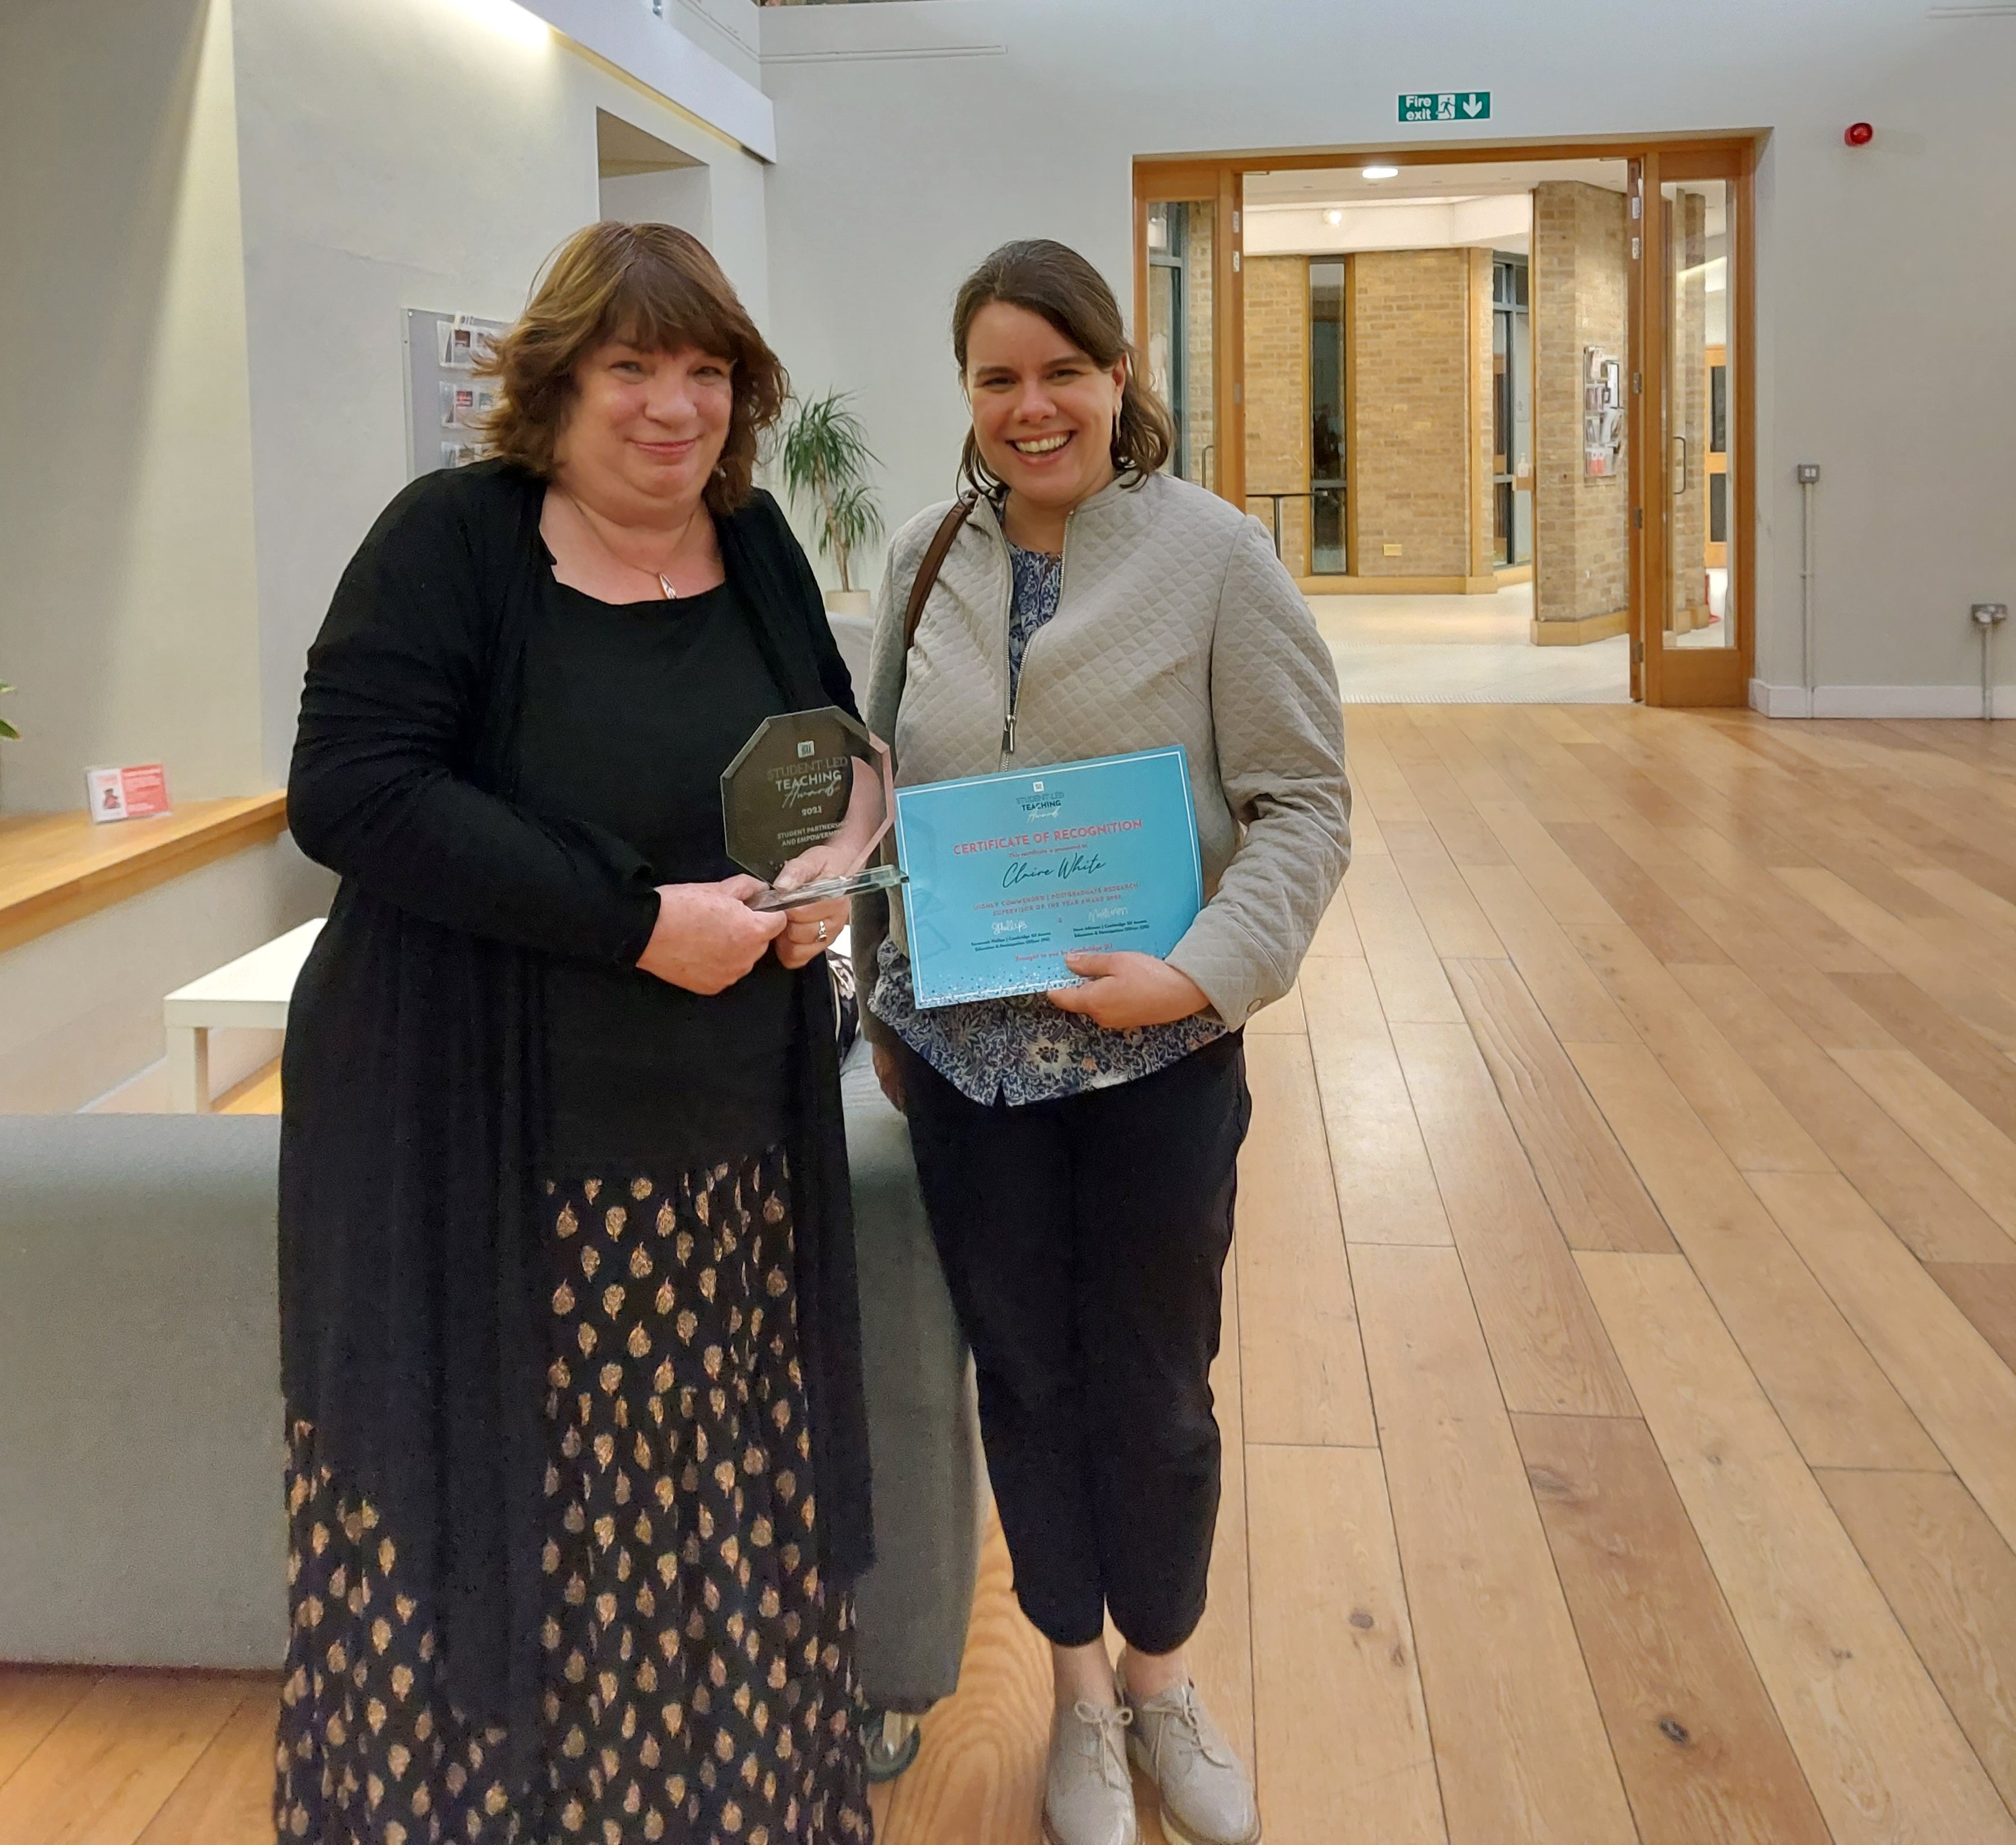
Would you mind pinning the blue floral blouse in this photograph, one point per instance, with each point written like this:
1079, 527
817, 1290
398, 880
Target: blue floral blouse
1024, 1049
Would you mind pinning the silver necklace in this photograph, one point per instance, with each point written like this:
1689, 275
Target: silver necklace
665, 582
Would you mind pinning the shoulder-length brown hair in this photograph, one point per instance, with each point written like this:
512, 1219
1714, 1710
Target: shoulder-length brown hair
649, 286
1053, 280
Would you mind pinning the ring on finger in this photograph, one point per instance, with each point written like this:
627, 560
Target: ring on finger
822, 929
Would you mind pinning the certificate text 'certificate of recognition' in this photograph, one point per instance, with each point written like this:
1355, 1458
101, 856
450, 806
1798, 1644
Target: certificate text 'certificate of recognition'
1008, 873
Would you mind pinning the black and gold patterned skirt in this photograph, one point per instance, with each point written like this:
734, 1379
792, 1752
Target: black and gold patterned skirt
699, 1675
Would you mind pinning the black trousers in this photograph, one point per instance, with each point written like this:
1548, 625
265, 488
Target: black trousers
1084, 1240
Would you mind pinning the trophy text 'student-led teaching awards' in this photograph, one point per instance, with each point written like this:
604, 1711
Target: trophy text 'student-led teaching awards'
809, 778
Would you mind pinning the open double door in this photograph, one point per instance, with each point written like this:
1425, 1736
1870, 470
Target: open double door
1688, 375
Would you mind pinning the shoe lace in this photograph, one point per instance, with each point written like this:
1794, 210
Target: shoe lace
1108, 1727
1189, 1712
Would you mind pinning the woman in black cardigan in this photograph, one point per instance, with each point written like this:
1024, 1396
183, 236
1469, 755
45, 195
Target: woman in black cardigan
578, 1462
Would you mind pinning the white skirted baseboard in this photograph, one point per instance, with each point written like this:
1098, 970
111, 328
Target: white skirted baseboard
1876, 701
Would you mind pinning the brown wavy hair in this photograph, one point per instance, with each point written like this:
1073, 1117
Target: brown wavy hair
649, 286
1053, 280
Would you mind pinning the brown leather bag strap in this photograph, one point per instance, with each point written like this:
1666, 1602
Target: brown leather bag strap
927, 571
920, 590
913, 612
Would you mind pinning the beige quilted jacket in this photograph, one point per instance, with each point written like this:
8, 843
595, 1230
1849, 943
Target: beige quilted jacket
1176, 623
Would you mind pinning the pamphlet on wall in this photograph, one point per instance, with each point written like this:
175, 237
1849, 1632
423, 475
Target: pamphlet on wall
446, 405
137, 792
466, 406
459, 345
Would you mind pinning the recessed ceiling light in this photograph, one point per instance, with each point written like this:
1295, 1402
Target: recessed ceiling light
1333, 216
1382, 173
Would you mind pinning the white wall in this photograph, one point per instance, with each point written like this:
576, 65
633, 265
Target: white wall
397, 153
913, 135
681, 196
215, 210
127, 601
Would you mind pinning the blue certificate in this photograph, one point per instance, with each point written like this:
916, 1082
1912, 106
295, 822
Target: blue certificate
1008, 873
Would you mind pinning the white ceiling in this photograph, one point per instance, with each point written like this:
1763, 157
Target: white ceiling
1343, 184
622, 147
1500, 220
1421, 207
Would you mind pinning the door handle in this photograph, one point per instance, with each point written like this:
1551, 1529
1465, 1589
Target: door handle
1682, 487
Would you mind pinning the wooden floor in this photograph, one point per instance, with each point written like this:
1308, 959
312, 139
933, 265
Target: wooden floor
1621, 1431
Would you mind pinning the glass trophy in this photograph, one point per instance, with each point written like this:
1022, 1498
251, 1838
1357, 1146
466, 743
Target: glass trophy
809, 778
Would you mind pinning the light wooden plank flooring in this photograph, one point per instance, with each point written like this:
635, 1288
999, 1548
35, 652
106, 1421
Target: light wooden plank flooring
1616, 1379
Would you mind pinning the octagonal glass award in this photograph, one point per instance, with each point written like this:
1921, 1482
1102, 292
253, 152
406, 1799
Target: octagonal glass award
806, 778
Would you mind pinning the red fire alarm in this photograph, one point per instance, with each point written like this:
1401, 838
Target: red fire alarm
1859, 134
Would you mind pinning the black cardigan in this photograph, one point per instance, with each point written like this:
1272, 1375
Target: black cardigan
410, 1135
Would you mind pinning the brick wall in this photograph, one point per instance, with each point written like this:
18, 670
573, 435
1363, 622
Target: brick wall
1579, 293
1410, 436
1277, 396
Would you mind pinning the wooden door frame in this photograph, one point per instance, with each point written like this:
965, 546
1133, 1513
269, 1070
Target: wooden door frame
1693, 676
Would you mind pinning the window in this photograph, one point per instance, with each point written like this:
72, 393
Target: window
1180, 360
1168, 319
1511, 412
1327, 436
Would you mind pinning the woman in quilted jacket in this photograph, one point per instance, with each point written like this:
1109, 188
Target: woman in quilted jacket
1077, 1149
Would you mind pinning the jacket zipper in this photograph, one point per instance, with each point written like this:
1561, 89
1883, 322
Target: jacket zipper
1013, 684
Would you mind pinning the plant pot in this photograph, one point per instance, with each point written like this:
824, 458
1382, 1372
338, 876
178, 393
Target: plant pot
847, 602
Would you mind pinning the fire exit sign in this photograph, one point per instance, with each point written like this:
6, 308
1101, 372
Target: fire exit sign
1445, 105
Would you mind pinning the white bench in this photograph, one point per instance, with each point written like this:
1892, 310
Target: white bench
250, 993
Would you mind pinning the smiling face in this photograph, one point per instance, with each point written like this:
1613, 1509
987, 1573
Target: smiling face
1043, 411
646, 429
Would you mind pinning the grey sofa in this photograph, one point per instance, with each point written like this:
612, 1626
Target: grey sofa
140, 1502
140, 1515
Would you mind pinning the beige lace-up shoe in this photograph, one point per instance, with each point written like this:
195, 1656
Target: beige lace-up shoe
1088, 1795
1207, 1795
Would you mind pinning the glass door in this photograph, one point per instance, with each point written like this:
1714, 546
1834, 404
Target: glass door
1699, 611
1718, 448
1187, 264
1511, 413
1178, 352
1699, 582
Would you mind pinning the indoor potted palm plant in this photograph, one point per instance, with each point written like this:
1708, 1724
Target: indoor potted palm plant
825, 458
